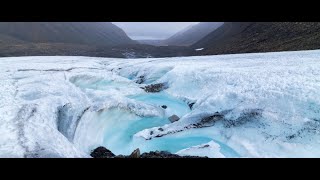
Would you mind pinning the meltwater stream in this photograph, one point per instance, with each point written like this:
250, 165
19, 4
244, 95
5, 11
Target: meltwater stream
115, 127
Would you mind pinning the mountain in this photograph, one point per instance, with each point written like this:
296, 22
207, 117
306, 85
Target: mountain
98, 39
84, 33
192, 34
104, 39
250, 37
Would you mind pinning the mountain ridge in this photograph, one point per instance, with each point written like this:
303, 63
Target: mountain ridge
254, 37
192, 34
89, 33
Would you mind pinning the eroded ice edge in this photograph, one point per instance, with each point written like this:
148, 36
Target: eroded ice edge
67, 106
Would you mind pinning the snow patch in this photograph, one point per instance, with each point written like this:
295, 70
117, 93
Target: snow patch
211, 150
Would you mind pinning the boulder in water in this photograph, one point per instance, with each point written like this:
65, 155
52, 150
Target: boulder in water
173, 118
164, 106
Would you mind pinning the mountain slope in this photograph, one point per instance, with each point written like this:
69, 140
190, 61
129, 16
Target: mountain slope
192, 34
99, 39
248, 37
89, 33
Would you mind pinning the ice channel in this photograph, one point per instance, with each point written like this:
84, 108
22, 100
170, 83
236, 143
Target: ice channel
115, 127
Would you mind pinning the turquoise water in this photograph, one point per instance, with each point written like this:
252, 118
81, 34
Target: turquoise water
121, 133
226, 150
120, 140
173, 144
120, 126
119, 136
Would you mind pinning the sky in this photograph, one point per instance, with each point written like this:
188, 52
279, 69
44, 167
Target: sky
152, 30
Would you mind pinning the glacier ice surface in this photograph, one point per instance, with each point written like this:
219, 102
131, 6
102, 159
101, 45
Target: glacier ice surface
66, 106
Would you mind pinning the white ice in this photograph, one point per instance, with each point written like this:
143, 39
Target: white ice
211, 150
199, 49
66, 106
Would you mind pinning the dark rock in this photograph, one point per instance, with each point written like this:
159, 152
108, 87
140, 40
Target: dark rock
121, 156
210, 120
191, 105
291, 136
244, 118
140, 80
308, 129
154, 87
164, 106
205, 146
165, 154
135, 154
173, 118
102, 152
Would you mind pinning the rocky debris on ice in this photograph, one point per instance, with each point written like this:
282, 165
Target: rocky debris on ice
153, 88
135, 154
140, 80
307, 129
246, 116
210, 120
165, 154
203, 120
173, 118
102, 152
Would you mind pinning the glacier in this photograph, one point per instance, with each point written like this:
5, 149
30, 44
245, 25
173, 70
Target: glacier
240, 105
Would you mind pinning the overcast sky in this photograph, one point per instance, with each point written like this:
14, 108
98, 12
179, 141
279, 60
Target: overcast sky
152, 30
